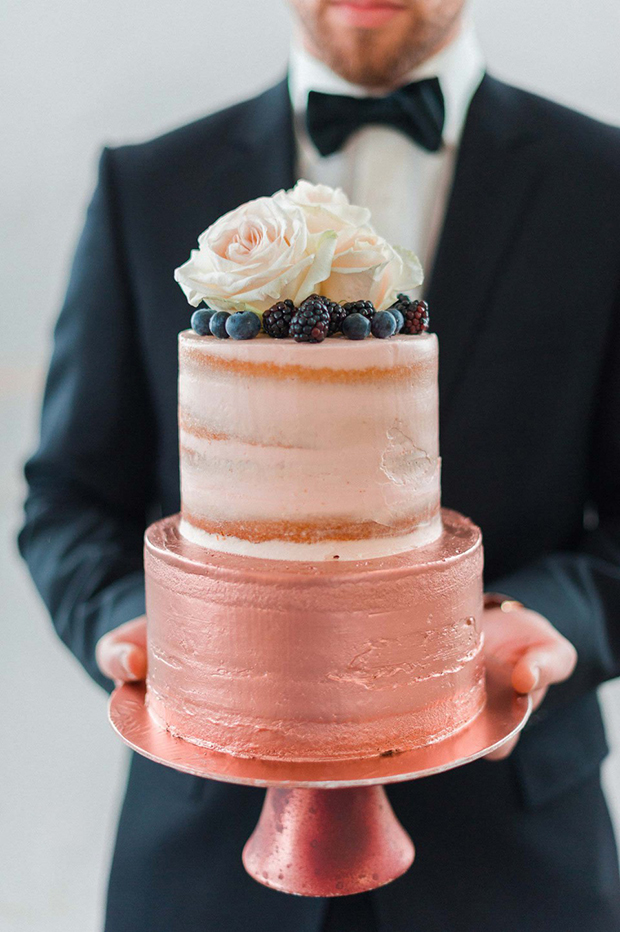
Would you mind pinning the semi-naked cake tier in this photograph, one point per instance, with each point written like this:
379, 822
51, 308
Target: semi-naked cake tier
308, 452
319, 660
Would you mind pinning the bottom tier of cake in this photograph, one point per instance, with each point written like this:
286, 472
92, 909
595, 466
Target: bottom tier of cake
314, 661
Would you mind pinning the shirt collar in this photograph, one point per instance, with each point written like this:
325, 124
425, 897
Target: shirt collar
459, 67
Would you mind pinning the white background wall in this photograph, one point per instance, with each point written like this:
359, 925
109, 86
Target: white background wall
75, 75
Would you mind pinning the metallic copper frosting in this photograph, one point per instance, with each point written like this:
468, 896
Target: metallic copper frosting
318, 660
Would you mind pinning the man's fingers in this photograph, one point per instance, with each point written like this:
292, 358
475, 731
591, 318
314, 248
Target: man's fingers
121, 654
536, 652
540, 666
132, 632
124, 663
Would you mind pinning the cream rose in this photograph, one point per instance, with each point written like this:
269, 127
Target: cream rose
256, 254
364, 265
327, 208
308, 239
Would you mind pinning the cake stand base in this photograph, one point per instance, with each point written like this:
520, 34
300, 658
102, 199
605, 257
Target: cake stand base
327, 842
316, 843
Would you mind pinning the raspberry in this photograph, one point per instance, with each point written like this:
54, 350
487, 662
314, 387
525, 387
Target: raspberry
310, 322
415, 314
365, 308
336, 315
277, 320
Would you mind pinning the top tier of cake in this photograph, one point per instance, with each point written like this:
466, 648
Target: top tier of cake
309, 452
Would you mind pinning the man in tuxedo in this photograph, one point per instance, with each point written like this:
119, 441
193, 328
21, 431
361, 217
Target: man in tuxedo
513, 204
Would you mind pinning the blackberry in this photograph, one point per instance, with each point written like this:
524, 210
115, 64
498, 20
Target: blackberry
277, 320
401, 304
310, 322
416, 317
414, 312
365, 308
336, 315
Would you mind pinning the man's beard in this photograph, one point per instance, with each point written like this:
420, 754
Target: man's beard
365, 67
370, 60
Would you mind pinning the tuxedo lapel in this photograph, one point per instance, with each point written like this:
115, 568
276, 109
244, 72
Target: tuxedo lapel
497, 169
266, 146
251, 156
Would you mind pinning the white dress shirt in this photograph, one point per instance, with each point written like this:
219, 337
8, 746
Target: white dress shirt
403, 185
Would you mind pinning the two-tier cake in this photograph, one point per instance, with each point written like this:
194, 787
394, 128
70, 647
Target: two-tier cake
311, 601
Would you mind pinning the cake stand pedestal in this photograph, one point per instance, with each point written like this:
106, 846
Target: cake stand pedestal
327, 827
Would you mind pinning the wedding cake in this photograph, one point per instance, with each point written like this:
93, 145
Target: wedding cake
311, 601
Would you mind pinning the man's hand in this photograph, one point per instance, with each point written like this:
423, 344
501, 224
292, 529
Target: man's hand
538, 654
121, 654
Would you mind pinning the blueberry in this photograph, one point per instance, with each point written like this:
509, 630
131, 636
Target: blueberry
399, 317
200, 321
218, 324
383, 325
244, 325
356, 327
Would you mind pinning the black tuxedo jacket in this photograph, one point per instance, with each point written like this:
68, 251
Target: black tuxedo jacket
524, 295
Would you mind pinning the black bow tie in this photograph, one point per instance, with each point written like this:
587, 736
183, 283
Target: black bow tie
416, 109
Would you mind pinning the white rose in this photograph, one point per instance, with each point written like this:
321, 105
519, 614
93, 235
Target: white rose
402, 273
327, 208
364, 265
255, 255
292, 244
368, 267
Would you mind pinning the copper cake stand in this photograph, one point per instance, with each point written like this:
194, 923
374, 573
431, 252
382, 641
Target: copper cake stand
326, 828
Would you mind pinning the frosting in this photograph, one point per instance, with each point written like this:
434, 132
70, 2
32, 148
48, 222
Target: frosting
309, 452
285, 659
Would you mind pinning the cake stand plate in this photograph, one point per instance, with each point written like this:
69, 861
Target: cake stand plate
316, 843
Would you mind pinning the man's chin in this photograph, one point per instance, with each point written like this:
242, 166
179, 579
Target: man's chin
366, 59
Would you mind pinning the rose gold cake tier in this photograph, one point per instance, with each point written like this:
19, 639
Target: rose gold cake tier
297, 451
314, 661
